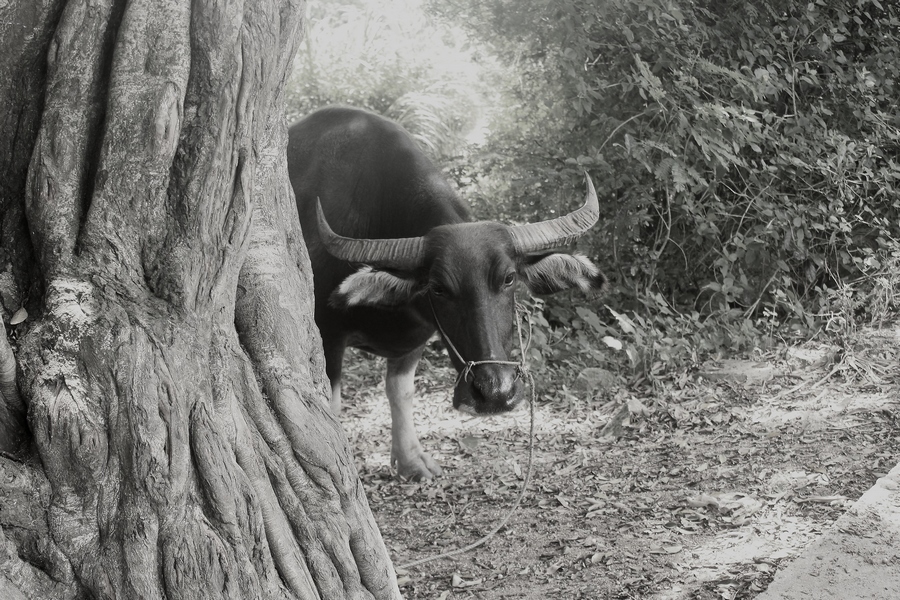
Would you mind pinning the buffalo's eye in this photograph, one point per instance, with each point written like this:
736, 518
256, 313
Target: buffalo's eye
509, 279
437, 289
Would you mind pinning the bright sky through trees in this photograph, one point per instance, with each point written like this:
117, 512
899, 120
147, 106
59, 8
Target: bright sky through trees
392, 58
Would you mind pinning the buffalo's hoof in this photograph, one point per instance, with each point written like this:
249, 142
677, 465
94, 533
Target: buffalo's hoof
416, 466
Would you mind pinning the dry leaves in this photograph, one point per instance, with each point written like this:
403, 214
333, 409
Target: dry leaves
620, 516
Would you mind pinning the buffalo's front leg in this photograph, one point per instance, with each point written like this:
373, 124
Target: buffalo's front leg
333, 346
411, 459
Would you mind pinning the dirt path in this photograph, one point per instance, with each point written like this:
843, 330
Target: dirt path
859, 557
713, 486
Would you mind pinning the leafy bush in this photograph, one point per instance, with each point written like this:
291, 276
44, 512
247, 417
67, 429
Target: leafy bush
746, 154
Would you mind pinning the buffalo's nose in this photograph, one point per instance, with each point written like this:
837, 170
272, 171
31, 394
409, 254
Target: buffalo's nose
497, 384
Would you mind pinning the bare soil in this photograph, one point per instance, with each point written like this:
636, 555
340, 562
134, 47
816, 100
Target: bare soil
712, 481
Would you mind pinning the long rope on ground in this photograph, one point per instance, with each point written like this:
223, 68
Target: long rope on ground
523, 370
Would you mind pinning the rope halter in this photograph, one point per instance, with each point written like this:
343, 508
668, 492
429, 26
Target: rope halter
468, 365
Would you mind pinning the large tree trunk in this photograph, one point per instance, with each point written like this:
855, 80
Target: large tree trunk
178, 442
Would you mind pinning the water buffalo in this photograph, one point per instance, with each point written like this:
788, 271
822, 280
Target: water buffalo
407, 260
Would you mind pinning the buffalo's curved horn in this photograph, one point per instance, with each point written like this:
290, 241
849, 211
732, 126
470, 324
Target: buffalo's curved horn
403, 254
558, 232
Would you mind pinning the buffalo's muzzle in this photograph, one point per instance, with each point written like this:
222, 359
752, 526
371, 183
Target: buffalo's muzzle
489, 389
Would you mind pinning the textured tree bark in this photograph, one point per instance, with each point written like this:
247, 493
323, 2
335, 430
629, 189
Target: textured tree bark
172, 373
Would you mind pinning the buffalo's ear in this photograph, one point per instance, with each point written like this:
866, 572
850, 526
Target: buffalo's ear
368, 287
549, 273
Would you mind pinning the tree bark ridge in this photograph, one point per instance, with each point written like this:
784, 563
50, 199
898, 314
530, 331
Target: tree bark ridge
73, 105
25, 32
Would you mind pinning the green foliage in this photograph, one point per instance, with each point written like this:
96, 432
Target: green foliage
649, 342
387, 57
746, 154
